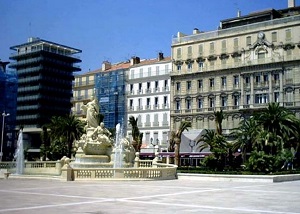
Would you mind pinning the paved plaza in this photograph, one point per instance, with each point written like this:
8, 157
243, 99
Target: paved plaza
185, 195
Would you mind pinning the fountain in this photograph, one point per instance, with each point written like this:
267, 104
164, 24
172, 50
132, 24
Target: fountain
19, 155
118, 148
100, 157
97, 149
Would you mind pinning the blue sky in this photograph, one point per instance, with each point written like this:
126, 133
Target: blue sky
115, 30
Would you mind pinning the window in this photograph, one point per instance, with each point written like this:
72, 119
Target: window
236, 44
156, 86
131, 104
148, 87
178, 67
211, 83
261, 55
288, 35
140, 103
266, 78
224, 46
248, 99
188, 85
247, 80
149, 72
289, 96
288, 76
211, 48
211, 101
140, 87
189, 66
200, 84
261, 98
178, 86
157, 70
148, 103
257, 78
276, 78
200, 103
223, 101
131, 88
179, 53
200, 65
156, 102
200, 50
141, 72
189, 52
248, 40
188, 104
274, 36
223, 79
166, 85
235, 100
166, 69
165, 101
236, 81
178, 105
276, 96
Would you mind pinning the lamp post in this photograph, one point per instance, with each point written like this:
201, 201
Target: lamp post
192, 144
1, 152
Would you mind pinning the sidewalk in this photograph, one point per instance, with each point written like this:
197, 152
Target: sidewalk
187, 194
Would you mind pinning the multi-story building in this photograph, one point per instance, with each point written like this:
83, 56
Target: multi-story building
8, 106
45, 74
148, 98
110, 91
248, 62
83, 91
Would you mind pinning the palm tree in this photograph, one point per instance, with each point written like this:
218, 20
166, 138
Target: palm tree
278, 124
177, 139
171, 147
68, 129
137, 137
207, 140
219, 117
246, 135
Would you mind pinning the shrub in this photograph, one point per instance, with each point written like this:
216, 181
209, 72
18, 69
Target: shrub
261, 162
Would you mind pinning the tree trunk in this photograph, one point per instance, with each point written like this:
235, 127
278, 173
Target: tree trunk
177, 152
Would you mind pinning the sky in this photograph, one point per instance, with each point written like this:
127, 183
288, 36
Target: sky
116, 30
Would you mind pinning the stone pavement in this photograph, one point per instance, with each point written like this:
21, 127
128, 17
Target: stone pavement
185, 195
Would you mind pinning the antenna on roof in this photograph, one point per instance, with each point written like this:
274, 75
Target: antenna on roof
239, 13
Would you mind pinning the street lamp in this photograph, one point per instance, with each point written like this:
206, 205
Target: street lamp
192, 144
1, 152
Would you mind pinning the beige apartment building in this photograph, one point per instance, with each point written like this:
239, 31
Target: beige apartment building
83, 90
248, 62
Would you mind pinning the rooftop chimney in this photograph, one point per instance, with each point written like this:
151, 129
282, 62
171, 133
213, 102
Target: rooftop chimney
160, 56
106, 65
239, 13
291, 3
134, 60
196, 31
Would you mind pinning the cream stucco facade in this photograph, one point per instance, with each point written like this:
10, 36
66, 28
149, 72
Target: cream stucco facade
238, 68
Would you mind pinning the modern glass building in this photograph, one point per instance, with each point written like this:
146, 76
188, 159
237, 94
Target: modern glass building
8, 104
110, 89
45, 74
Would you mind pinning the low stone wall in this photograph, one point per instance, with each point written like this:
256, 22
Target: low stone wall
142, 170
35, 167
156, 172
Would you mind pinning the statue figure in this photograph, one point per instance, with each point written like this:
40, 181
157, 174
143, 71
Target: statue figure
92, 112
102, 134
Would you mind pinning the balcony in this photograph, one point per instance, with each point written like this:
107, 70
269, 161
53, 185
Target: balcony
220, 66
